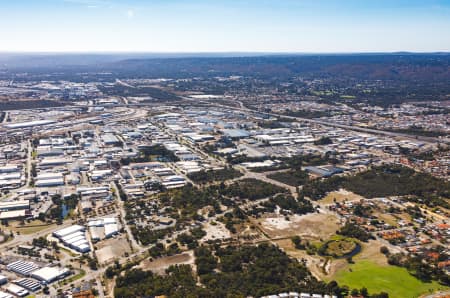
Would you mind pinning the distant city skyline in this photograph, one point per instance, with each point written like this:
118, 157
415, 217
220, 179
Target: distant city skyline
293, 26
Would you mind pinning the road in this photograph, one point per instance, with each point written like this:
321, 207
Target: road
22, 238
29, 158
262, 177
134, 244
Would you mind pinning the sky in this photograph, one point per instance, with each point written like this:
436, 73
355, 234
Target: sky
304, 26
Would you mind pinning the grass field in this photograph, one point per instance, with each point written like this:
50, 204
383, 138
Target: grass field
31, 227
391, 279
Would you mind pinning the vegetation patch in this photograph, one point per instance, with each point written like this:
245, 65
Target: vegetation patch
227, 272
216, 175
384, 181
340, 248
291, 177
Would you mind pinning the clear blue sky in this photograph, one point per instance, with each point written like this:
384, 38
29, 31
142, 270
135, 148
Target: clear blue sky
225, 25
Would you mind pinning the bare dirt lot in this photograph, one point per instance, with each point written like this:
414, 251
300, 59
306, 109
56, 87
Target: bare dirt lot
217, 231
110, 249
311, 226
161, 264
339, 196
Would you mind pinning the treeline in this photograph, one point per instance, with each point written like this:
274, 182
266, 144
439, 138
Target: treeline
251, 189
382, 181
121, 90
29, 104
147, 235
203, 177
354, 231
294, 177
297, 161
419, 131
426, 271
307, 114
271, 124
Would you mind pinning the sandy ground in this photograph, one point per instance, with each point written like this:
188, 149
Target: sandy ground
312, 225
110, 249
217, 231
340, 196
161, 264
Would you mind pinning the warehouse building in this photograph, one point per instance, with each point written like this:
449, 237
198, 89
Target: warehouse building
49, 182
22, 267
3, 280
5, 295
15, 205
17, 290
28, 283
48, 275
74, 237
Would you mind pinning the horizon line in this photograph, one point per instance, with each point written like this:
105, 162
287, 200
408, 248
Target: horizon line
218, 52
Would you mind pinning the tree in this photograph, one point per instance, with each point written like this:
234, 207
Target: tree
110, 272
364, 292
354, 292
297, 241
384, 250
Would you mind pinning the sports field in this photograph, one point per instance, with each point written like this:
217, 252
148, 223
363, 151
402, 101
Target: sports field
378, 278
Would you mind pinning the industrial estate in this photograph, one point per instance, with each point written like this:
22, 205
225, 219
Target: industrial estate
240, 184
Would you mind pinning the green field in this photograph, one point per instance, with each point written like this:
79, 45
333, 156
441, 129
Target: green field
391, 279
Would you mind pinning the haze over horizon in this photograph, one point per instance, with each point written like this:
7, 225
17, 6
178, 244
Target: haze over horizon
199, 26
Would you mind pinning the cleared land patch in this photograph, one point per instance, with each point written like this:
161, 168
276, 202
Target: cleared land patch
312, 225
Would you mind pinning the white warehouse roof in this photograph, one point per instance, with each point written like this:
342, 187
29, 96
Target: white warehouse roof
49, 274
69, 230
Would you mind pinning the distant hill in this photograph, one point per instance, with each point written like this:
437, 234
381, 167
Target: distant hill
432, 67
428, 67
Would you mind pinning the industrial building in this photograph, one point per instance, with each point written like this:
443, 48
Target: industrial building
48, 275
17, 290
5, 295
22, 267
15, 205
28, 283
103, 228
74, 237
29, 124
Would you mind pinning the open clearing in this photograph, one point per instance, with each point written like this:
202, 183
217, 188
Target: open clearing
340, 196
161, 264
370, 270
217, 231
311, 226
376, 278
110, 249
31, 227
